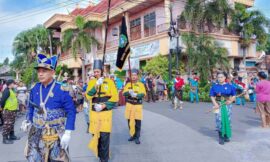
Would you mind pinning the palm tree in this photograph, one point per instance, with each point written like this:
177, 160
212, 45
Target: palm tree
79, 40
200, 14
250, 25
204, 55
27, 42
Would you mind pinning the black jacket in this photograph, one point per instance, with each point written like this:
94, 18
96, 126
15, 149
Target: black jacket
5, 96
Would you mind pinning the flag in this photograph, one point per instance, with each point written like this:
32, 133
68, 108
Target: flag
123, 48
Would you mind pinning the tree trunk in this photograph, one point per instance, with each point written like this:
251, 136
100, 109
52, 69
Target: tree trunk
83, 65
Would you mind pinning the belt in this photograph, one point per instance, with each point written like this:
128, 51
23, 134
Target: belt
220, 98
99, 100
134, 101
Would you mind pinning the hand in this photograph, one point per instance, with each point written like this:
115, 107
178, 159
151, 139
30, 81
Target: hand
228, 102
26, 125
130, 92
134, 95
65, 139
99, 107
216, 106
99, 81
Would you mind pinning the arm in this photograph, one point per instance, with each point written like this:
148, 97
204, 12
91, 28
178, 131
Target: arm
114, 96
232, 98
31, 108
213, 99
5, 96
91, 90
70, 110
142, 92
126, 89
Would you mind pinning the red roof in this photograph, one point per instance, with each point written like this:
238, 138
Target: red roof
77, 11
99, 8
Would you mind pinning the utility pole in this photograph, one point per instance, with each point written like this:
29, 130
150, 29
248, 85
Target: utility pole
170, 33
50, 40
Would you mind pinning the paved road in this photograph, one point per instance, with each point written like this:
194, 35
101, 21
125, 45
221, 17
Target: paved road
169, 136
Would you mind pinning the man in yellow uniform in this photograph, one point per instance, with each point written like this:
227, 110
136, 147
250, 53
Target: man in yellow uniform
103, 96
134, 94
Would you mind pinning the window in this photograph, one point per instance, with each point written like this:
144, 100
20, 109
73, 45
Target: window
150, 24
135, 29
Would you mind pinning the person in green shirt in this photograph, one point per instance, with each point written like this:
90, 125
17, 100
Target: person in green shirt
9, 104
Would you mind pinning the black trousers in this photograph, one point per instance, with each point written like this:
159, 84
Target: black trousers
150, 95
104, 146
138, 124
1, 118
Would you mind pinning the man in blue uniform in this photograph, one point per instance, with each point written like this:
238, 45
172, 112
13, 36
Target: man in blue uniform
222, 95
51, 114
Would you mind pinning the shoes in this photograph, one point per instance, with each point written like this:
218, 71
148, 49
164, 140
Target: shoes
137, 141
221, 139
131, 139
226, 139
6, 140
13, 137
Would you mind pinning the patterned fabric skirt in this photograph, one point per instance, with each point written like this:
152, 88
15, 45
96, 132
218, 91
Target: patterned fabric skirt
218, 117
38, 150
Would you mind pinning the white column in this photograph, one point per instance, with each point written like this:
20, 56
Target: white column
76, 75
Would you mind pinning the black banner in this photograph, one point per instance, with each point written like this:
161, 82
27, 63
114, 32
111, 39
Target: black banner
123, 48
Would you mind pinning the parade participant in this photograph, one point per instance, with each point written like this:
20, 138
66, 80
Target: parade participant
178, 92
194, 87
51, 114
21, 94
240, 91
102, 95
222, 95
150, 85
134, 94
160, 87
263, 99
9, 104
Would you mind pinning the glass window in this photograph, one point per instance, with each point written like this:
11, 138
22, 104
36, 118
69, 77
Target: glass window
150, 24
135, 29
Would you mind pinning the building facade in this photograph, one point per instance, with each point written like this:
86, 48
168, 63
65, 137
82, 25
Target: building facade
148, 24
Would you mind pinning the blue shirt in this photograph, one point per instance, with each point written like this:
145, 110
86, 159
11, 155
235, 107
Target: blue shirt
193, 82
222, 90
59, 105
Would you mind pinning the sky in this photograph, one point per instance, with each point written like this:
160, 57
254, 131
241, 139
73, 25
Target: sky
19, 15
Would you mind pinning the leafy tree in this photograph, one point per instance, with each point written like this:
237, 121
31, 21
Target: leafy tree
6, 61
158, 66
79, 40
251, 26
204, 54
199, 14
29, 75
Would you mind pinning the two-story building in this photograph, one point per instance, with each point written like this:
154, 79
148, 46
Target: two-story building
148, 24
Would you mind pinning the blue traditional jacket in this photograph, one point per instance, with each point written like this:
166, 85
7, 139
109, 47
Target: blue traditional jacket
59, 106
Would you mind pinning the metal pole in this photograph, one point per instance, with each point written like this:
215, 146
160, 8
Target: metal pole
171, 50
177, 52
106, 34
50, 40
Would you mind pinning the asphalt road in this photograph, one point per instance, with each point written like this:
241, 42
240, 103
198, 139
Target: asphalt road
168, 135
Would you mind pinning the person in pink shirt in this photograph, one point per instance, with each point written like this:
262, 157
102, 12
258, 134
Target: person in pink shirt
263, 99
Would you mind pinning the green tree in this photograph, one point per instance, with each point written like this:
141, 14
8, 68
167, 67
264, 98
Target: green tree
6, 61
204, 54
201, 14
29, 75
80, 40
158, 66
251, 26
